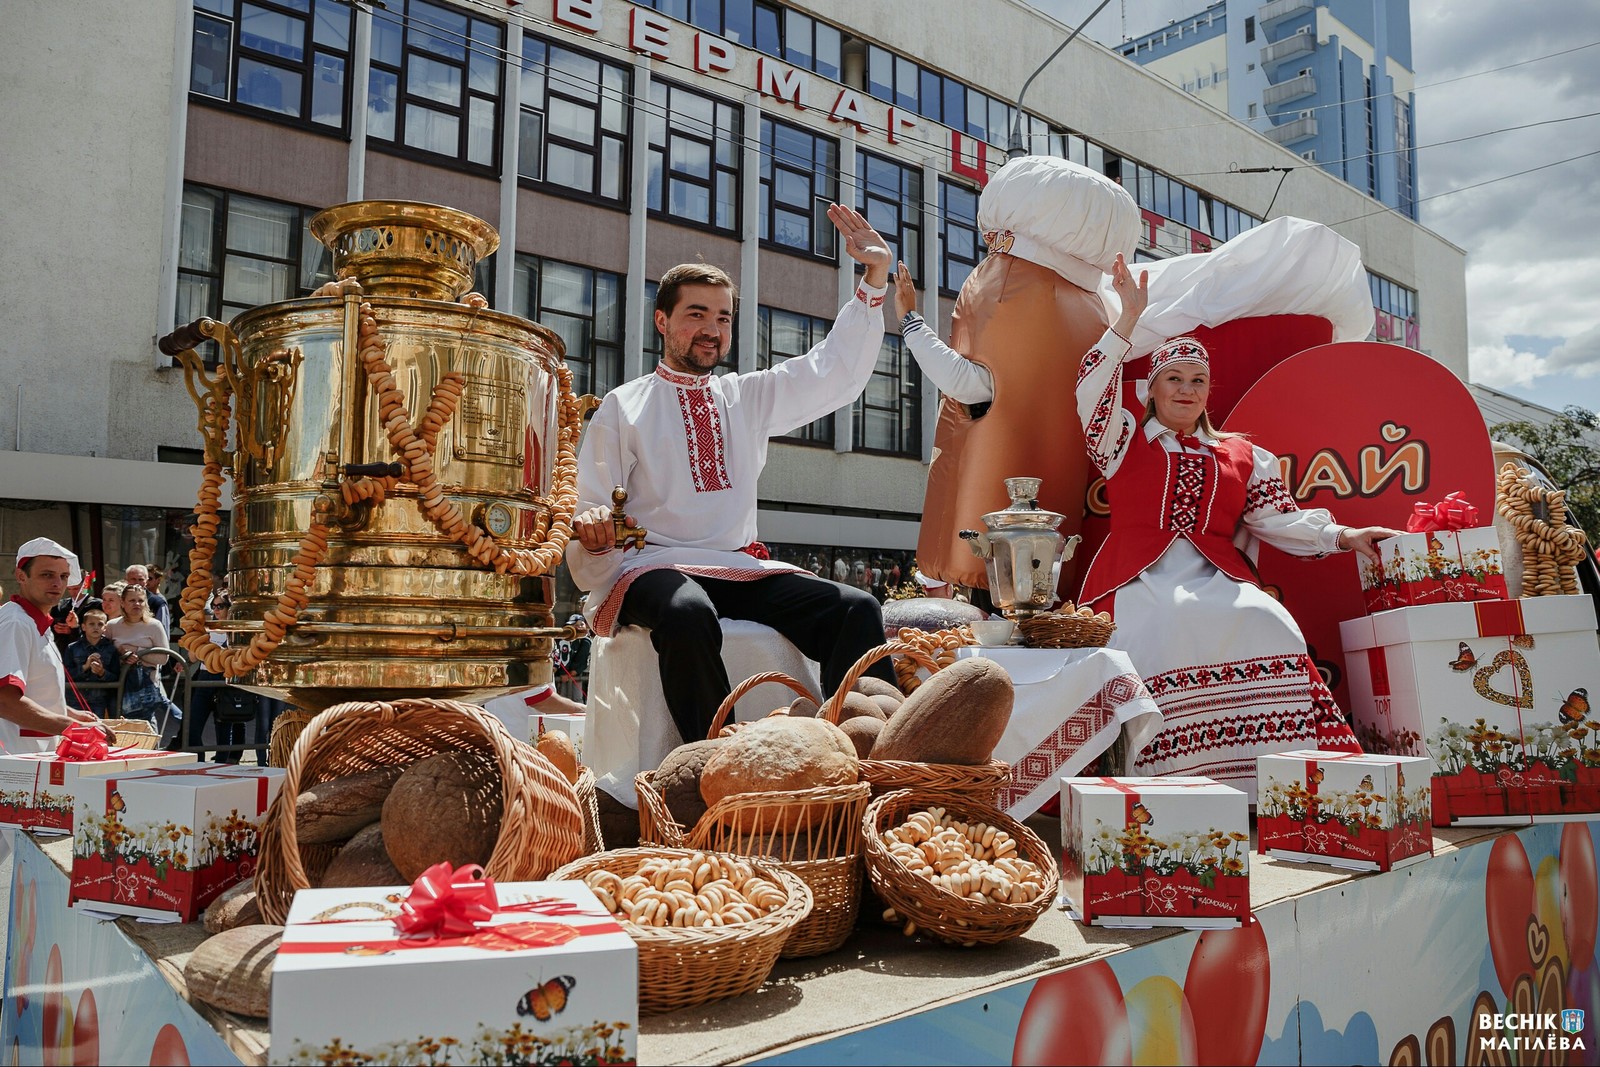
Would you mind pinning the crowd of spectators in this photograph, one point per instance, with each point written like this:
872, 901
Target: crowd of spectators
118, 651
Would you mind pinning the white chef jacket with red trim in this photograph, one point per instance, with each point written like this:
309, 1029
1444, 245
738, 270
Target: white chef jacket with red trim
30, 663
690, 449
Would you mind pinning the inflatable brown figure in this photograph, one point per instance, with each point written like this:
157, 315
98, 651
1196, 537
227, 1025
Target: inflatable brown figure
1027, 314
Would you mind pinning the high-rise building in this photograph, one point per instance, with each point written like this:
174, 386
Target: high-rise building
1330, 80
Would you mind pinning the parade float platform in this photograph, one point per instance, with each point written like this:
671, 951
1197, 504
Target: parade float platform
1342, 967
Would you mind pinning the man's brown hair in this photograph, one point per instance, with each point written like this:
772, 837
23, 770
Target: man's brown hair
691, 274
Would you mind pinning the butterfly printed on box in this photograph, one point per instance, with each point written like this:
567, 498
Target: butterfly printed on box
548, 999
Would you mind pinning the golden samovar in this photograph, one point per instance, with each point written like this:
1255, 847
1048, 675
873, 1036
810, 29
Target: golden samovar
404, 471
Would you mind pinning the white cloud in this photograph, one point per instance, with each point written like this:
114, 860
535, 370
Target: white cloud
1580, 354
1503, 367
1532, 269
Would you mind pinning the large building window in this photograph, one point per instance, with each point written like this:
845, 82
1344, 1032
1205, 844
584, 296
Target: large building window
695, 148
1394, 310
890, 196
779, 32
435, 81
905, 83
575, 115
782, 335
283, 57
799, 179
581, 304
888, 416
960, 242
236, 252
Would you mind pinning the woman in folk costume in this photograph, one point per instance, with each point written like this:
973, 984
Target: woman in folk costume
1225, 661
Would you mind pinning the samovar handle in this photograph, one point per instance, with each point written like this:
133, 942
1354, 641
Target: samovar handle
186, 337
626, 536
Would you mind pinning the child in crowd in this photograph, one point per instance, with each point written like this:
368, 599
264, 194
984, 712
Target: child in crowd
92, 659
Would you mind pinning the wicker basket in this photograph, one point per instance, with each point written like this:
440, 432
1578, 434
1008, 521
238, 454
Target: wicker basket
1060, 629
814, 833
134, 733
541, 825
680, 967
982, 782
939, 912
589, 802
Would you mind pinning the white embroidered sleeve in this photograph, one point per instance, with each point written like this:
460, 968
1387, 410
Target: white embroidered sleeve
601, 467
805, 388
1108, 427
1272, 515
956, 376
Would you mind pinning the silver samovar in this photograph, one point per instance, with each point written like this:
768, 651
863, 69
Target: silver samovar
1022, 552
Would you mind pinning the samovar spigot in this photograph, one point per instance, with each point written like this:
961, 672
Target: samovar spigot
626, 536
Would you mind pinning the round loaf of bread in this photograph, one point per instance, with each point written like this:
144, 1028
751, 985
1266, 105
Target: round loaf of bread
678, 779
233, 970
235, 907
363, 862
863, 731
856, 704
444, 808
334, 810
956, 716
781, 753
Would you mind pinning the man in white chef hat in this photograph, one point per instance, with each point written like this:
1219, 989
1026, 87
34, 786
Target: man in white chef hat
33, 690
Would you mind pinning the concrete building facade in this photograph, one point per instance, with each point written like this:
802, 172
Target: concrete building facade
174, 176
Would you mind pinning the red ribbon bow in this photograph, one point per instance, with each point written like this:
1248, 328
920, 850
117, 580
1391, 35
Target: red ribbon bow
448, 903
1454, 512
82, 743
1189, 440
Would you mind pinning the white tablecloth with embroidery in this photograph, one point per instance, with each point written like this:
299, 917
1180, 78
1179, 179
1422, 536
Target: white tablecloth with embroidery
1071, 705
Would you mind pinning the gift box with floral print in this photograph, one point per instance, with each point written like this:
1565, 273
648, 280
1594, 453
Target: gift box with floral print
1363, 812
164, 843
1155, 851
1497, 693
37, 788
537, 973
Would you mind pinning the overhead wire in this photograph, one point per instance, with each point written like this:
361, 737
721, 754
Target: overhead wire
857, 183
1372, 96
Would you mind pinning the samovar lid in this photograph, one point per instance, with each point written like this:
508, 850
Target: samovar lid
1024, 512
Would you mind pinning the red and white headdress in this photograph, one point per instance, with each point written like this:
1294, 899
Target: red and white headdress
1178, 350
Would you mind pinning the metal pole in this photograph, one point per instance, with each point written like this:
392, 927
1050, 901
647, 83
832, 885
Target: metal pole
1014, 149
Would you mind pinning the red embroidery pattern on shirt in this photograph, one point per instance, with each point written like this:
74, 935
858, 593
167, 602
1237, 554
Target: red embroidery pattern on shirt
1269, 493
1090, 362
1046, 759
1095, 431
870, 301
702, 425
1188, 491
691, 380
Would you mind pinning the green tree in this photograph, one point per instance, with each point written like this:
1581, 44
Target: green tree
1568, 447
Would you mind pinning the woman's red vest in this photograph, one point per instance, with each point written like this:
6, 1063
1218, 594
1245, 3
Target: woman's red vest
1157, 496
